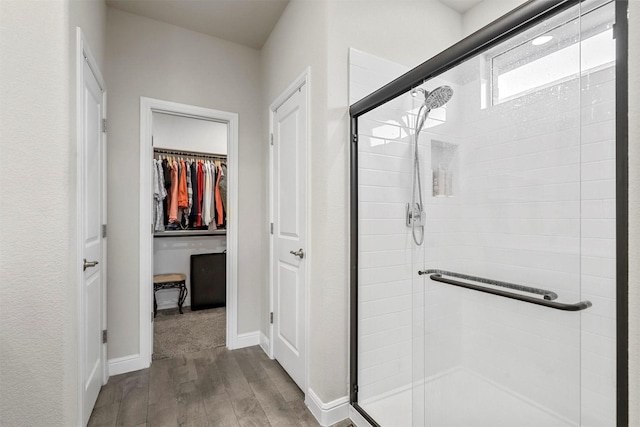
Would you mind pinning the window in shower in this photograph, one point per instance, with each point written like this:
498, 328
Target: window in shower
485, 276
556, 55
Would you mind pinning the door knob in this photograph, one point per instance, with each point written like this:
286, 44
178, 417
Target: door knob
89, 264
299, 253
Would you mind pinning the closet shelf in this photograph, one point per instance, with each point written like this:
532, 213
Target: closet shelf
185, 233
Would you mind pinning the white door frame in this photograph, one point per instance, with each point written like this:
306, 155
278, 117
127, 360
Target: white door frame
147, 107
83, 53
301, 80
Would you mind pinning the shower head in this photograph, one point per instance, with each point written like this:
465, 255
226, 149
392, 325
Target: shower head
438, 97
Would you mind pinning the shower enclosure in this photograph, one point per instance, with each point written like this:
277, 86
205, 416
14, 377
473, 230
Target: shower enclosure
488, 251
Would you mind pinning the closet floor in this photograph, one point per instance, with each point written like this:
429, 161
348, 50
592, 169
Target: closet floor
212, 387
176, 334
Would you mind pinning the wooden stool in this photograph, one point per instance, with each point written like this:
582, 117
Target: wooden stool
169, 281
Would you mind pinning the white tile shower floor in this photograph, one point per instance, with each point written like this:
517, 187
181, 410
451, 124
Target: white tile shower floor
461, 399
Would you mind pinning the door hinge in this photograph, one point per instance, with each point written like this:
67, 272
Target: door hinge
152, 229
271, 139
104, 230
355, 388
152, 317
271, 317
104, 125
271, 228
104, 336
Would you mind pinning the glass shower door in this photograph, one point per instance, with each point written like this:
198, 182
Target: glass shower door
491, 300
511, 200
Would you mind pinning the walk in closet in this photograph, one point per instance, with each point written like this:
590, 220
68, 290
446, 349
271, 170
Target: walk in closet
190, 218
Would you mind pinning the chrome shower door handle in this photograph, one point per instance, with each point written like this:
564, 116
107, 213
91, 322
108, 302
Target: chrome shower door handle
86, 264
299, 253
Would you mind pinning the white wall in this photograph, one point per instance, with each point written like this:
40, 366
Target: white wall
37, 316
319, 34
162, 61
38, 290
173, 255
189, 134
298, 41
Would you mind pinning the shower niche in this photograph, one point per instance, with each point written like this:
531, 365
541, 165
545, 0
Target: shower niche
444, 168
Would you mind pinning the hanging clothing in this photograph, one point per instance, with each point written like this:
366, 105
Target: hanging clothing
206, 197
223, 185
214, 211
219, 210
163, 192
183, 201
156, 193
159, 194
194, 194
173, 204
200, 193
189, 193
187, 210
166, 172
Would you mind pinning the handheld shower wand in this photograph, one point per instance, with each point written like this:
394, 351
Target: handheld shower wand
415, 210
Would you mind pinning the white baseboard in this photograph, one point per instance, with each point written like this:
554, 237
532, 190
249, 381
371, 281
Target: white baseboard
264, 343
357, 418
247, 340
327, 413
122, 365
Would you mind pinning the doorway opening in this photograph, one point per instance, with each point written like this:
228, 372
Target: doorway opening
188, 255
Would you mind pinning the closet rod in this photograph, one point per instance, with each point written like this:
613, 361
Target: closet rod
189, 153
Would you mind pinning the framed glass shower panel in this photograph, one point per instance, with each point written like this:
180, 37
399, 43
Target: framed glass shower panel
518, 148
489, 255
386, 263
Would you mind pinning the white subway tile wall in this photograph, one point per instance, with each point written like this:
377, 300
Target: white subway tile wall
391, 309
385, 255
533, 203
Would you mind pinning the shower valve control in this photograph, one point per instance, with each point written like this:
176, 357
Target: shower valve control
414, 215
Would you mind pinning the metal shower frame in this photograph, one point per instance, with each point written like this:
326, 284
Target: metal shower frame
518, 20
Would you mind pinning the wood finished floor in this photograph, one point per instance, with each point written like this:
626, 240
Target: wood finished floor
213, 387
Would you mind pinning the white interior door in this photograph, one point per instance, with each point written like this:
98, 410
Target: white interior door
290, 234
92, 257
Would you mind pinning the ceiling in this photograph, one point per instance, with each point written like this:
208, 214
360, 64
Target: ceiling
247, 22
460, 6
